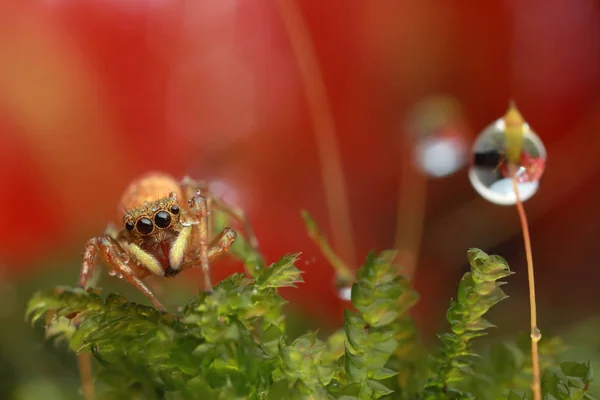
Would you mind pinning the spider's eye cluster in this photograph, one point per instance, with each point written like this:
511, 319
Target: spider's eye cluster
162, 219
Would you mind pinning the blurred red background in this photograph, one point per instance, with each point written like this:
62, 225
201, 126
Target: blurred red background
93, 94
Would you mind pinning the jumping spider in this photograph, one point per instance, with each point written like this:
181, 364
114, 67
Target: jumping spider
161, 235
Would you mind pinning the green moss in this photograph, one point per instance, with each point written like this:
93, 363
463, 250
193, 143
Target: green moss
233, 342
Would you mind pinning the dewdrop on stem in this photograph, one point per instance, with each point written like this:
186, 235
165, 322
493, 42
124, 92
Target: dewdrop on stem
345, 293
536, 335
436, 128
508, 141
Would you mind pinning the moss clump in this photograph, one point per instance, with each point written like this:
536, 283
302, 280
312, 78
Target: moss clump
233, 343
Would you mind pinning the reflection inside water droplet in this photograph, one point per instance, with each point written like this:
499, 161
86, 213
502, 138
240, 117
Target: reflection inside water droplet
490, 173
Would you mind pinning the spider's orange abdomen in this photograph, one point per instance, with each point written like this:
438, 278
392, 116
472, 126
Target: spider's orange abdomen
148, 188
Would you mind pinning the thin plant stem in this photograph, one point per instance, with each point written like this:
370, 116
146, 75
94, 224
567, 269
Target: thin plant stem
332, 174
85, 372
344, 274
535, 332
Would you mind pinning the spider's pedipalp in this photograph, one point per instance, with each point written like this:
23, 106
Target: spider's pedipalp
146, 260
180, 245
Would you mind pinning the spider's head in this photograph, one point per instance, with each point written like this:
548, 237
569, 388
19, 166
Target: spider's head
153, 217
151, 204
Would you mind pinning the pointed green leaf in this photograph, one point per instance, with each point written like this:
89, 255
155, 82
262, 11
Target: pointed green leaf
281, 274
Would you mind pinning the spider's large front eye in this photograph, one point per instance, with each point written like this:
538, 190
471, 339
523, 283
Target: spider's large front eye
144, 226
162, 219
129, 226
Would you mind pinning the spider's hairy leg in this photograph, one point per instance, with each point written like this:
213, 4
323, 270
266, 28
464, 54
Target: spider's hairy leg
239, 215
198, 203
219, 246
135, 281
116, 260
222, 243
89, 259
190, 186
83, 359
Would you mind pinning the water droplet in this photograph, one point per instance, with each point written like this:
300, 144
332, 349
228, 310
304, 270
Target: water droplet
120, 276
437, 130
345, 293
536, 335
112, 273
507, 148
440, 156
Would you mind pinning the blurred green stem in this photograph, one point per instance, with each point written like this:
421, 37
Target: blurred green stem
344, 274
